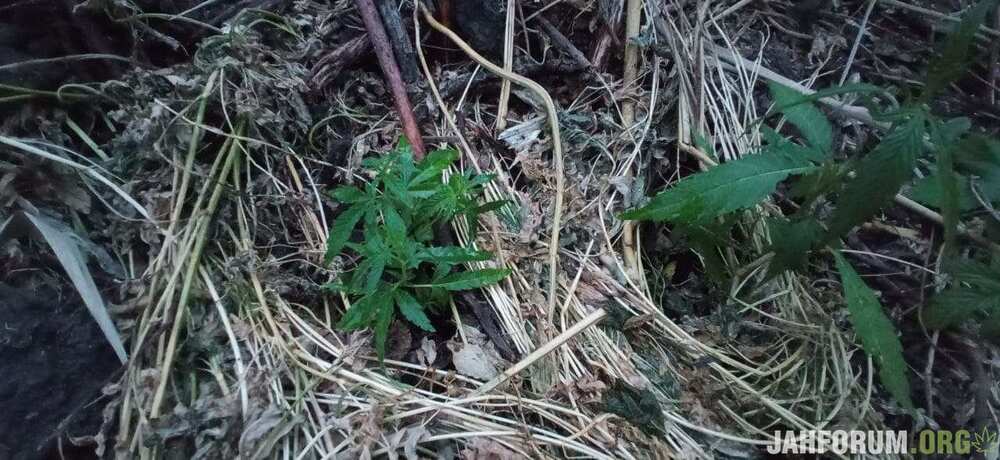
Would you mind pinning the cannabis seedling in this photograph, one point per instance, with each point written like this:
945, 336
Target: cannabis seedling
397, 264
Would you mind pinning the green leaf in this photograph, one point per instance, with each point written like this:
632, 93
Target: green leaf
959, 303
879, 176
810, 121
980, 156
375, 270
877, 333
348, 194
453, 254
359, 315
413, 311
341, 230
955, 55
471, 279
791, 242
394, 225
384, 315
725, 188
433, 165
975, 289
927, 191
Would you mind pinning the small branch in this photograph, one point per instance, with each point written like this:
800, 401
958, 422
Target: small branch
563, 43
383, 50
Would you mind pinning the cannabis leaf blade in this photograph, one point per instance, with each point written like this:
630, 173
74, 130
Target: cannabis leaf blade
877, 333
471, 279
413, 311
791, 242
385, 312
724, 188
341, 230
976, 288
955, 56
804, 115
878, 177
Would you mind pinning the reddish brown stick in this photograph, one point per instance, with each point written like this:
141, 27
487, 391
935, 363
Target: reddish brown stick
386, 60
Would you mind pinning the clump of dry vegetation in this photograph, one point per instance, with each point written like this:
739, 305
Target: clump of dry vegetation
662, 240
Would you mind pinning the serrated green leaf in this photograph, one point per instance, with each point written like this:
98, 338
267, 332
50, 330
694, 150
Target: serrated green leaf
341, 230
722, 189
975, 289
927, 191
359, 315
433, 165
877, 333
810, 121
384, 314
955, 55
791, 243
348, 194
471, 279
374, 277
413, 311
959, 303
394, 225
879, 177
979, 156
453, 254
973, 272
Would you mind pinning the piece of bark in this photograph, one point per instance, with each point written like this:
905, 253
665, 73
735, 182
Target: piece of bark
335, 61
401, 46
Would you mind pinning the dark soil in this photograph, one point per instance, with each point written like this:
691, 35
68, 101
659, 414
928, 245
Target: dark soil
53, 363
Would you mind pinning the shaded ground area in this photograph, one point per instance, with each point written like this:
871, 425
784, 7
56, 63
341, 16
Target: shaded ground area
53, 363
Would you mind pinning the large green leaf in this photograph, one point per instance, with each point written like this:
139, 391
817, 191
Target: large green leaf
725, 188
878, 177
810, 121
413, 311
359, 315
791, 242
471, 279
955, 55
927, 191
452, 254
385, 311
975, 289
877, 333
341, 230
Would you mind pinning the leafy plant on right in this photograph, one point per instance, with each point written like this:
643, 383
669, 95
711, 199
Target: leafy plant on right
833, 196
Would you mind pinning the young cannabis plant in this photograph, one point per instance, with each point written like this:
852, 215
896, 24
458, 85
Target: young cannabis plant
398, 266
854, 191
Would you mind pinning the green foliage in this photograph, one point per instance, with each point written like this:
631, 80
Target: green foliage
834, 196
723, 189
397, 264
878, 176
956, 53
877, 333
974, 293
809, 120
